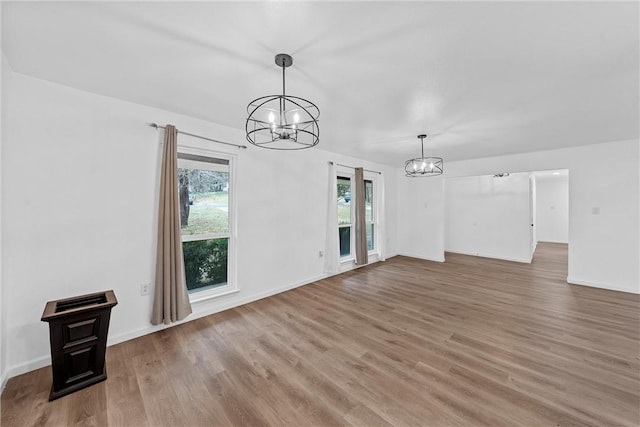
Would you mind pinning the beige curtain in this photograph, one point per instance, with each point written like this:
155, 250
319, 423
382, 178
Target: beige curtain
171, 299
362, 256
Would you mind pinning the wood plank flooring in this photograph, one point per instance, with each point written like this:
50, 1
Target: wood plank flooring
469, 342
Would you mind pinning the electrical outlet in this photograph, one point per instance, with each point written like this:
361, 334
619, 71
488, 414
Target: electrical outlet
144, 289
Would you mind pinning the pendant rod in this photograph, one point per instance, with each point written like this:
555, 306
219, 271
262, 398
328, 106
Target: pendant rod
282, 100
283, 84
422, 137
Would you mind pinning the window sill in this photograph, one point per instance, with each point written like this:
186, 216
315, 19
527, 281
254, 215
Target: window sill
347, 260
203, 296
347, 264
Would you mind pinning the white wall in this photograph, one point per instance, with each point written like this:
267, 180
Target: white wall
79, 210
552, 208
4, 71
420, 212
488, 216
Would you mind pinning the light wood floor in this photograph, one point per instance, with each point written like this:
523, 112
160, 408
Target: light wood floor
469, 342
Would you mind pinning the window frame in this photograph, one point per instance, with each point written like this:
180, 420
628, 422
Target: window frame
352, 220
374, 215
231, 286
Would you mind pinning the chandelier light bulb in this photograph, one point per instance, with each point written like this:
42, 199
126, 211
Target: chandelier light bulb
272, 117
296, 118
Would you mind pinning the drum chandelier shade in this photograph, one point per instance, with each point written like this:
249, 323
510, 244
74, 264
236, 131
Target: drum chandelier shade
283, 122
423, 166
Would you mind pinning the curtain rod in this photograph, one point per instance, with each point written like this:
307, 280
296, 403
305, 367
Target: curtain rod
353, 167
157, 126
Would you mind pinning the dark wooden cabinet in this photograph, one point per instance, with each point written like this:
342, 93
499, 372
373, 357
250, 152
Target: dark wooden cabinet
78, 330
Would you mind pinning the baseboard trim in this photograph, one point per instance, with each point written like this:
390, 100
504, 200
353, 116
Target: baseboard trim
3, 381
29, 366
211, 309
410, 255
580, 282
222, 305
503, 258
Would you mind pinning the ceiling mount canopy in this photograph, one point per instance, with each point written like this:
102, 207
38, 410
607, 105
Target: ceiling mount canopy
283, 122
423, 166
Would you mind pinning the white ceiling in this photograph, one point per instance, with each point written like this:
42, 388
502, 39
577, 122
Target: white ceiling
481, 79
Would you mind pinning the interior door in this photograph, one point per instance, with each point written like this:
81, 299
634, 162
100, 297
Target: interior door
532, 214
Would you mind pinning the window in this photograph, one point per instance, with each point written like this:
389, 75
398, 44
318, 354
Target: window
369, 215
346, 215
205, 193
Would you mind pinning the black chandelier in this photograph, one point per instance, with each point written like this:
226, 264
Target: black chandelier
283, 122
423, 166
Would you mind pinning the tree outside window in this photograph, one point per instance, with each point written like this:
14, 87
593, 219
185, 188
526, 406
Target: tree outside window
203, 188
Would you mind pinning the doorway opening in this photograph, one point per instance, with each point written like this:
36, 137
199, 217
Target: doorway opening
507, 215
